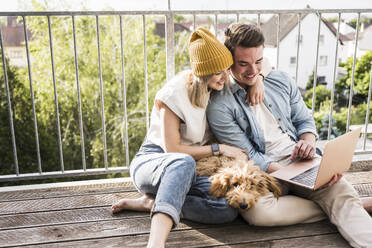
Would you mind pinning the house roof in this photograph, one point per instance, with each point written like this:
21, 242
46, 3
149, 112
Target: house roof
14, 35
287, 23
160, 28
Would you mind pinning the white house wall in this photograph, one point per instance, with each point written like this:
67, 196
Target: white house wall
288, 49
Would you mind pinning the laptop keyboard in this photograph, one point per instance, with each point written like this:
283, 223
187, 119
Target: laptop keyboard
307, 177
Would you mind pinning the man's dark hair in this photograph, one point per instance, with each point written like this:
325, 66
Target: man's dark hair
245, 35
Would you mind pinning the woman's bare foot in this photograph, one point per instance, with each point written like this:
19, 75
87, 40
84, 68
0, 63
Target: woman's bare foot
144, 204
367, 203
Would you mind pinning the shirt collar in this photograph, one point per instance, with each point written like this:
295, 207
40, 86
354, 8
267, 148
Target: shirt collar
234, 85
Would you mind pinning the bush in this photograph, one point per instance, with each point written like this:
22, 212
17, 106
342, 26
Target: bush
321, 94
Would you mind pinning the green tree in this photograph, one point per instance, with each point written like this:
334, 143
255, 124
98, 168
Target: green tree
90, 90
363, 19
321, 94
22, 117
361, 81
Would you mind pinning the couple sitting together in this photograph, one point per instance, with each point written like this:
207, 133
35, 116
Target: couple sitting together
233, 93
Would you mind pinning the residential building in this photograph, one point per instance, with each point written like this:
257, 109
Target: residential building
13, 35
288, 37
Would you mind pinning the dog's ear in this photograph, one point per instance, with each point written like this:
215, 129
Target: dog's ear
219, 184
273, 185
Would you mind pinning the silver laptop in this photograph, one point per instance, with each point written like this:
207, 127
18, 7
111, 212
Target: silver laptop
316, 172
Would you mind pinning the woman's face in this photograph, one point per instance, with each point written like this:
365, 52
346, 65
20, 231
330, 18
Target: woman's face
217, 81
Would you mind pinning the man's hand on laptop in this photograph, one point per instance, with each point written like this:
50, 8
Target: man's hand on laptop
334, 180
305, 147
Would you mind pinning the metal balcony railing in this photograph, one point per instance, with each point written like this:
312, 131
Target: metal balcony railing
169, 16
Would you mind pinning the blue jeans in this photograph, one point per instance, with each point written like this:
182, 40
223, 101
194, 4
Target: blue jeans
171, 177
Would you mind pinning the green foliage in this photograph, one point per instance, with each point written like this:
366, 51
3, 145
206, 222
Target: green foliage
342, 89
321, 118
113, 91
353, 22
362, 75
321, 94
339, 118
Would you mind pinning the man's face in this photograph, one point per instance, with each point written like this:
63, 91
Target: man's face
247, 65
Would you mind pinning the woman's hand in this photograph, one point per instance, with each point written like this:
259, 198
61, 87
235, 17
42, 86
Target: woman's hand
233, 152
255, 93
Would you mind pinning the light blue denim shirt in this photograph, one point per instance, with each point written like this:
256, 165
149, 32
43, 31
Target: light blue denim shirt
233, 122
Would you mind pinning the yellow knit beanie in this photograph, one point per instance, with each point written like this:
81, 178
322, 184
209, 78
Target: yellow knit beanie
207, 54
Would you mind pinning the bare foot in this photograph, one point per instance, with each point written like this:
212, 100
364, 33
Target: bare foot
143, 204
367, 203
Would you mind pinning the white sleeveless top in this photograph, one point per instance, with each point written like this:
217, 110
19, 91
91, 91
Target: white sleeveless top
194, 128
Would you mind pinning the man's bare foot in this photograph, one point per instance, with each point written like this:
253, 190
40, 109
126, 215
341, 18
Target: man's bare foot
143, 204
367, 204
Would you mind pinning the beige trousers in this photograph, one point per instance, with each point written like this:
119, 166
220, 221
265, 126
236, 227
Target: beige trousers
339, 202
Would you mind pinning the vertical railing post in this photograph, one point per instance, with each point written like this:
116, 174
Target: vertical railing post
353, 74
169, 34
145, 71
216, 24
9, 104
124, 93
277, 42
194, 22
32, 95
102, 98
298, 45
316, 64
79, 96
368, 106
334, 78
55, 96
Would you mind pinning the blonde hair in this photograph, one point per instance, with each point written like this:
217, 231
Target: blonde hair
197, 89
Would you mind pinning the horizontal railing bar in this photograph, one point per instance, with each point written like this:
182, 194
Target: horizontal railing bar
66, 173
359, 152
164, 12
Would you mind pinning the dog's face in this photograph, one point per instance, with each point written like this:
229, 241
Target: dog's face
242, 184
242, 195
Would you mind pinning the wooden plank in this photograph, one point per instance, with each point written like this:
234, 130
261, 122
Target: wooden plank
215, 235
355, 178
66, 191
359, 177
14, 221
85, 230
52, 204
324, 241
82, 201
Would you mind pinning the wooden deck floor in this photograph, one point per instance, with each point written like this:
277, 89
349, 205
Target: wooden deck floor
79, 216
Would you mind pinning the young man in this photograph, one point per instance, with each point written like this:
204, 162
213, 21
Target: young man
275, 132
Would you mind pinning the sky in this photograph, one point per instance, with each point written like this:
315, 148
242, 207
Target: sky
96, 5
14, 5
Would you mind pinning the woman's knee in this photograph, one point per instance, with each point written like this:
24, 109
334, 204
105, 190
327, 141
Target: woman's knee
183, 162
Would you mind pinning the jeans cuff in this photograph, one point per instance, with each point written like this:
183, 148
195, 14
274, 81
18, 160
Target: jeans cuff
168, 209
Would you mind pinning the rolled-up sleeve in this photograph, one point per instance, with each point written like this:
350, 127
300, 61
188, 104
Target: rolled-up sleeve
226, 129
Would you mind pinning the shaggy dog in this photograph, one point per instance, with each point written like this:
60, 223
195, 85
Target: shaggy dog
241, 182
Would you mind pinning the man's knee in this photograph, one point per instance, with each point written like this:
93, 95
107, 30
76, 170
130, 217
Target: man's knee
263, 213
339, 191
